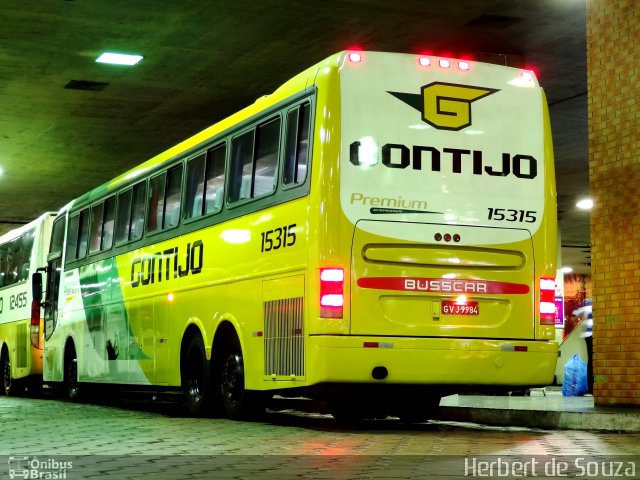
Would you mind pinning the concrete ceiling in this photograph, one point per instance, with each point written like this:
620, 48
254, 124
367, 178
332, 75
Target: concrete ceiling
207, 59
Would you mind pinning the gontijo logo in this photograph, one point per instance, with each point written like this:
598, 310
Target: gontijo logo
446, 106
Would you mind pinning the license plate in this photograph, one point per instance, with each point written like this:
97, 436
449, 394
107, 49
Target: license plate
453, 308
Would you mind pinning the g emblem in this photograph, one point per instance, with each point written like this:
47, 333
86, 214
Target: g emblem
446, 106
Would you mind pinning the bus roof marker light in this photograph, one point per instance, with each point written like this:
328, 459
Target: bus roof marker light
527, 75
119, 58
464, 66
424, 61
444, 63
355, 57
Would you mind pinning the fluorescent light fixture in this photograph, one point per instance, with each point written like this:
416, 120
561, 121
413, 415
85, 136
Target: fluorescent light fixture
566, 269
118, 58
585, 204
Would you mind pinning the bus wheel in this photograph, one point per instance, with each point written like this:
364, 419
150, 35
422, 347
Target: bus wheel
10, 386
346, 412
71, 384
237, 402
357, 409
195, 378
419, 411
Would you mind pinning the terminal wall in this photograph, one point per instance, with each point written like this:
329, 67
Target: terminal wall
613, 59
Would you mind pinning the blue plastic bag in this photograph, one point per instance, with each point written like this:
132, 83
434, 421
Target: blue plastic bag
574, 383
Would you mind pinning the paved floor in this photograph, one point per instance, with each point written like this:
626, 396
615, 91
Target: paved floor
129, 439
552, 410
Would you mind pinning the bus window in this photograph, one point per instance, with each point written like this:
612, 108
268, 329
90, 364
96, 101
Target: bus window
3, 265
137, 211
165, 199
173, 197
123, 218
253, 177
241, 166
72, 238
195, 187
14, 259
266, 158
57, 237
26, 244
214, 192
107, 223
156, 202
83, 237
297, 145
96, 227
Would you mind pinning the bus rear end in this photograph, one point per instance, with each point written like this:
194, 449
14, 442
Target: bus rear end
448, 228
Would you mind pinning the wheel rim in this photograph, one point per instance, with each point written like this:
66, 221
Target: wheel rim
6, 373
232, 380
72, 378
195, 380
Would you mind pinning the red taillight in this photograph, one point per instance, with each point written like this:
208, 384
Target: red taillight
331, 292
35, 323
547, 301
35, 313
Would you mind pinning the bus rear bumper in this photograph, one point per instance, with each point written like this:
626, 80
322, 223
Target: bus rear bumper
431, 361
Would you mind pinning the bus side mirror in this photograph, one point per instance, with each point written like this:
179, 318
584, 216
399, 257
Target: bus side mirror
36, 286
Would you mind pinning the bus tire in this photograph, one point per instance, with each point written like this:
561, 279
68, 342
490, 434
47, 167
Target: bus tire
237, 402
71, 384
10, 386
419, 410
196, 381
355, 410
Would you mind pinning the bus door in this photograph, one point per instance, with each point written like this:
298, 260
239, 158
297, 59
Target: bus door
54, 268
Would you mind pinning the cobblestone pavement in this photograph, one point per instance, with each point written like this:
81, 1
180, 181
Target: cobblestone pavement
49, 427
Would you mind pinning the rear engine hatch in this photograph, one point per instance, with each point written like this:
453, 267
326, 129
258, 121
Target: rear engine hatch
433, 289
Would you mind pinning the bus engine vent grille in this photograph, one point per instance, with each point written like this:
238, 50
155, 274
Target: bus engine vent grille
21, 347
284, 337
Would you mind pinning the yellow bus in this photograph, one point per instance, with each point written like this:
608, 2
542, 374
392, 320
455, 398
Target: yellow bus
22, 251
378, 232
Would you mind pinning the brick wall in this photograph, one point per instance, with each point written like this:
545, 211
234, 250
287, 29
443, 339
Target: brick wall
613, 60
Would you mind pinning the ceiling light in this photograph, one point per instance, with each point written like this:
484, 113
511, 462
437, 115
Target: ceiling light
118, 58
566, 269
585, 204
1, 171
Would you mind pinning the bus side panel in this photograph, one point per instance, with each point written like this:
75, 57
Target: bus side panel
204, 278
23, 343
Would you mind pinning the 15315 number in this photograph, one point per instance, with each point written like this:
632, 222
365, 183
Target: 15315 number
510, 215
277, 238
